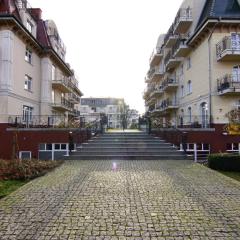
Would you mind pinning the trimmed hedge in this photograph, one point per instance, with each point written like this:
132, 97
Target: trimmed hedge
224, 162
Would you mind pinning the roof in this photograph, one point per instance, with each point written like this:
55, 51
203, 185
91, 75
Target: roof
227, 9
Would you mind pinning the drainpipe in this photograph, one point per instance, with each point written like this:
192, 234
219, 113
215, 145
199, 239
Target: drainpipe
210, 70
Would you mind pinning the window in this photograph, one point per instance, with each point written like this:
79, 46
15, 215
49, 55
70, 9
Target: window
182, 91
53, 72
27, 113
236, 74
233, 147
28, 55
189, 86
189, 64
181, 70
28, 83
189, 114
29, 26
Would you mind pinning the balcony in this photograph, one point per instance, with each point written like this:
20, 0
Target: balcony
64, 105
229, 85
154, 74
62, 85
228, 50
169, 105
156, 57
181, 49
171, 61
182, 21
157, 92
170, 38
74, 98
170, 84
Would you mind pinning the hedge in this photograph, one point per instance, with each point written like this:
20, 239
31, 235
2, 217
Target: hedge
224, 162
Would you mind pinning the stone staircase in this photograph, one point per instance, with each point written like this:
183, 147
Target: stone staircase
126, 146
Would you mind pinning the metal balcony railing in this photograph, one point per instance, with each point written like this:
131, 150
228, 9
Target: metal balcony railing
184, 16
157, 52
229, 82
193, 121
227, 46
23, 4
169, 82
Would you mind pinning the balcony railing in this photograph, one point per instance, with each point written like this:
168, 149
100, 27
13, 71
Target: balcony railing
156, 56
168, 104
228, 49
64, 105
171, 61
183, 20
229, 84
192, 121
170, 84
154, 73
170, 38
37, 121
181, 49
61, 84
74, 98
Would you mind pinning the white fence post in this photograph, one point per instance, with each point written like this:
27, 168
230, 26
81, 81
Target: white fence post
195, 152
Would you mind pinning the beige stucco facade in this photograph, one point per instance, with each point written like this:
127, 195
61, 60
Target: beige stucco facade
32, 77
192, 67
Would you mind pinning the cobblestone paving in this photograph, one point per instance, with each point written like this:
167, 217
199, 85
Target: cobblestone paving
171, 200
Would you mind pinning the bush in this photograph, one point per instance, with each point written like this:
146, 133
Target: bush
25, 169
224, 162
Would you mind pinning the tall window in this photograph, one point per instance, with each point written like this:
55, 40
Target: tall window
28, 83
236, 74
235, 37
189, 86
204, 114
29, 26
182, 91
189, 114
28, 55
27, 113
189, 63
53, 72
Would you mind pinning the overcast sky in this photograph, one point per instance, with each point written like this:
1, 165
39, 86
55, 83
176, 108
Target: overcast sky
109, 42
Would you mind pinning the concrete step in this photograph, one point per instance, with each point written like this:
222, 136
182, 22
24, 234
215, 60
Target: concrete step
125, 140
115, 153
126, 157
136, 145
127, 149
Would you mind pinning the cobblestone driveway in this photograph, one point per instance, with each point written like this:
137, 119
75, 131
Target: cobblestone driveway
124, 200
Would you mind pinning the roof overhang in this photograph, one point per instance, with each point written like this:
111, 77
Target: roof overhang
210, 22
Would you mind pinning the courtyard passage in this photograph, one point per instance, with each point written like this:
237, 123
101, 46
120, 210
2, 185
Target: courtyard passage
124, 200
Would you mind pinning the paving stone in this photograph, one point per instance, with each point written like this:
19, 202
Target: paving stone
140, 200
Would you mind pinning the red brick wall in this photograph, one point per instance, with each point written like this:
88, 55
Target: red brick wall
216, 139
29, 140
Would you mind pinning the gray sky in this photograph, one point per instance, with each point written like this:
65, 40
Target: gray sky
109, 42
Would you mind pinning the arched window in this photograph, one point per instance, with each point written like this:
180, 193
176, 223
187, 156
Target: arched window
189, 86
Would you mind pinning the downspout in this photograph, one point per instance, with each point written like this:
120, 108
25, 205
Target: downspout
210, 70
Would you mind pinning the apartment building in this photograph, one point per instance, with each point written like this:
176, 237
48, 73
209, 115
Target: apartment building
193, 82
37, 86
113, 109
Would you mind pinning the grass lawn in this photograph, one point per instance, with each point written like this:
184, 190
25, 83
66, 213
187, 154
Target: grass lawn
234, 175
8, 186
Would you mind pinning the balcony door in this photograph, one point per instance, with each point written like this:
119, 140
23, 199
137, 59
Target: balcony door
235, 38
236, 74
204, 114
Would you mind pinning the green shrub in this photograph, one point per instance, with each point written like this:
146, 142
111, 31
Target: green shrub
25, 169
224, 162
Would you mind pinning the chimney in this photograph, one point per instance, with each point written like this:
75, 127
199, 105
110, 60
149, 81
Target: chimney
36, 13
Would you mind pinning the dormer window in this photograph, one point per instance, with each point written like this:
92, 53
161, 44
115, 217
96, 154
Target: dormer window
29, 26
